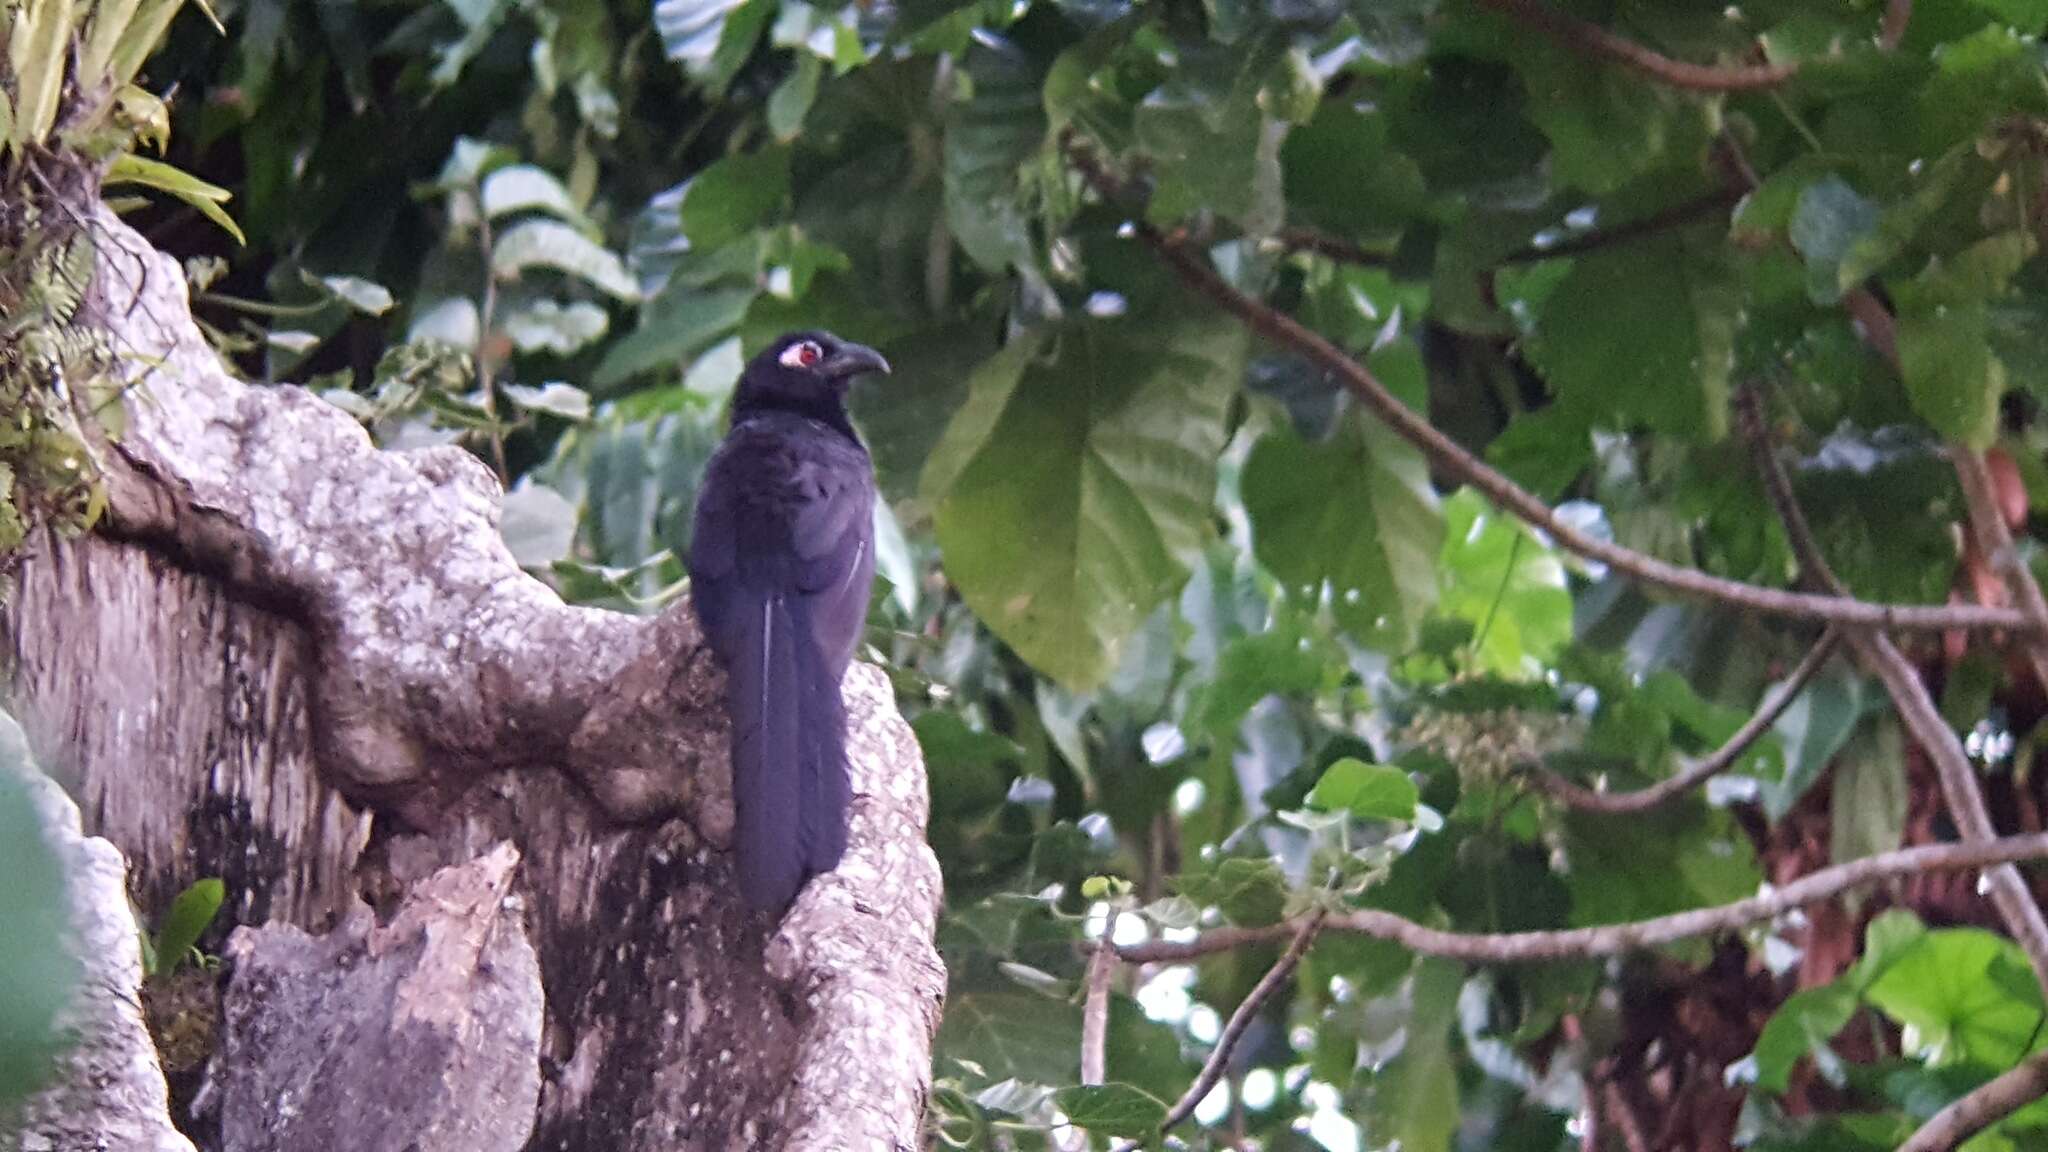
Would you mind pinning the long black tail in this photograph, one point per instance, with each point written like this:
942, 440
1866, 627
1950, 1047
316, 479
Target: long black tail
789, 778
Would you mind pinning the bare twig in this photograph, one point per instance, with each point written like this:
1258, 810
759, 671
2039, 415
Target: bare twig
1095, 1009
1981, 1108
1416, 429
1994, 542
1276, 977
1724, 757
1617, 939
486, 371
1593, 40
1917, 711
1577, 244
1892, 32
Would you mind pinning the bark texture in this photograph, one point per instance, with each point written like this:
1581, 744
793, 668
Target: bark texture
312, 667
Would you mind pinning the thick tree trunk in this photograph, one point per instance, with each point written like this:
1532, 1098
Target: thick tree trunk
311, 668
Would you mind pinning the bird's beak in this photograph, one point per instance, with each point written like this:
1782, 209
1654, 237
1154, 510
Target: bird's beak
852, 360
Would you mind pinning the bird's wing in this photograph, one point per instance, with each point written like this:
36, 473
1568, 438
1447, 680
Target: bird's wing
781, 559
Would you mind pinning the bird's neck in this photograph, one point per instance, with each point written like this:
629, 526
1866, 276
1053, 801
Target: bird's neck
828, 409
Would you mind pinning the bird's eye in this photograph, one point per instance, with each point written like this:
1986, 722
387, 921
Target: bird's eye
802, 355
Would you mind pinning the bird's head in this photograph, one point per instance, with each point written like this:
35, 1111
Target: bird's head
805, 372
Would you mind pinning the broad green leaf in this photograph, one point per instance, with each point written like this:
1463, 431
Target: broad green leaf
1011, 1033
1642, 333
190, 914
1813, 729
551, 326
1946, 990
1281, 660
1605, 125
989, 136
1355, 514
555, 245
36, 49
1829, 220
711, 38
525, 188
1654, 864
1249, 892
1802, 1026
793, 98
1112, 1109
554, 398
1073, 487
679, 323
128, 168
1343, 174
1901, 223
1867, 812
1883, 507
1945, 355
1412, 1100
1499, 577
1211, 145
1367, 791
734, 196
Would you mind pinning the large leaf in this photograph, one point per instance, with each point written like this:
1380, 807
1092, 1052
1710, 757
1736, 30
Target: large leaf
1413, 1099
988, 136
1505, 582
129, 168
1072, 489
1966, 994
552, 244
711, 38
1112, 1109
1642, 333
1356, 514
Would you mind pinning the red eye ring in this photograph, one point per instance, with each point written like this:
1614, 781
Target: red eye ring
808, 354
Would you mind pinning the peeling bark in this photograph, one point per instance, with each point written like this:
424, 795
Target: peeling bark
312, 667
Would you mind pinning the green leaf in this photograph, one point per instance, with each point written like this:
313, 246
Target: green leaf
1605, 125
549, 325
365, 296
711, 38
734, 196
1642, 332
1112, 1109
1954, 378
525, 188
190, 915
1815, 727
793, 98
1248, 892
1367, 791
1511, 587
1867, 813
1670, 860
989, 136
37, 46
1343, 174
1412, 1100
554, 398
1830, 220
1946, 989
1011, 1033
1211, 146
1073, 487
128, 168
553, 244
1802, 1026
679, 323
1355, 514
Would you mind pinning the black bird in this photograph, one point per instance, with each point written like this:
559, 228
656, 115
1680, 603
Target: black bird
782, 557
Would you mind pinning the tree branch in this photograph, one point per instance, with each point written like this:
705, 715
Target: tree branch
1980, 1109
1095, 1010
1416, 429
1643, 799
1892, 32
1615, 939
1305, 931
1576, 244
1917, 711
1593, 40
